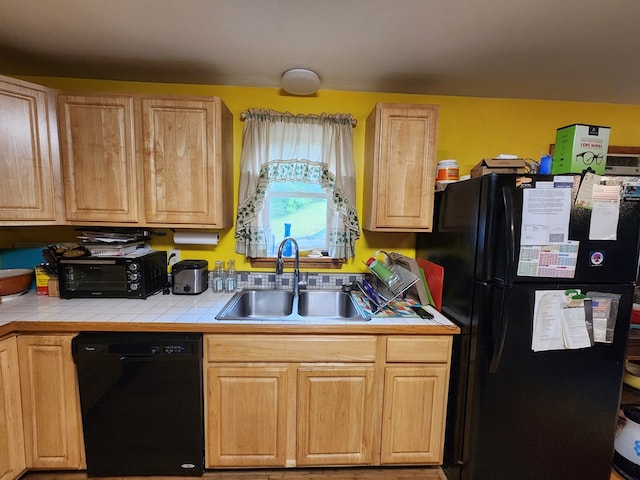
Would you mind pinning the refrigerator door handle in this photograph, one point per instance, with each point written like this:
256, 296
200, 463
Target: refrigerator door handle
500, 337
510, 237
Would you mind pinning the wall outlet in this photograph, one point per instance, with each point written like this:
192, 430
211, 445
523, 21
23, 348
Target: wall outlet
173, 255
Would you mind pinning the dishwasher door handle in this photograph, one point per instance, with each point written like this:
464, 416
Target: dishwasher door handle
136, 358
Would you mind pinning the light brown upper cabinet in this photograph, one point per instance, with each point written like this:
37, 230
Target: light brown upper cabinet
187, 158
100, 171
400, 167
147, 160
30, 190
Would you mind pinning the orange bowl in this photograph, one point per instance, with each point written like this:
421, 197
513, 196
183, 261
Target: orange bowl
14, 280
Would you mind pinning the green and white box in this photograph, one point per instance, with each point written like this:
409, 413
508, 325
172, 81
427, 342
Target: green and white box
580, 147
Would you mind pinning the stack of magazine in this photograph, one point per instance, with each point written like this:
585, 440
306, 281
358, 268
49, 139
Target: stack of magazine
113, 242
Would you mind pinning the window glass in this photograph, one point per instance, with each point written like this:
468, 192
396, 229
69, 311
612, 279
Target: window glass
299, 210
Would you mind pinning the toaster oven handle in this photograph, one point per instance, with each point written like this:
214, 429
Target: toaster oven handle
79, 261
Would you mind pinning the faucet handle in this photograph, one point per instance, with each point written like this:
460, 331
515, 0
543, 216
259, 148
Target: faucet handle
279, 266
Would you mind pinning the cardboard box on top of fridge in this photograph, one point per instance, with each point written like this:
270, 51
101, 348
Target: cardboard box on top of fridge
498, 165
580, 147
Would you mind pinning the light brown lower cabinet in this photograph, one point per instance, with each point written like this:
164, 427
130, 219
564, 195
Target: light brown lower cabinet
334, 412
247, 421
413, 428
12, 459
416, 382
50, 400
271, 401
325, 400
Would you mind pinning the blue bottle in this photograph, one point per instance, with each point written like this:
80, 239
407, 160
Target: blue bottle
286, 251
545, 165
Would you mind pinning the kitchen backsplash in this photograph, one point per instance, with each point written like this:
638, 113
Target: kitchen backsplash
318, 281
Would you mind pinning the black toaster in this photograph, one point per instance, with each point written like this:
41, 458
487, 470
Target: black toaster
190, 277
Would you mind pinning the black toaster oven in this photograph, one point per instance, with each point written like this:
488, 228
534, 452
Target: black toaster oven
136, 275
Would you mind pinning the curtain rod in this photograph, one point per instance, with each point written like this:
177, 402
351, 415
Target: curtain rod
244, 115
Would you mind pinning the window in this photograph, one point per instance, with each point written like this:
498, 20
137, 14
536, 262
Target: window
299, 210
297, 179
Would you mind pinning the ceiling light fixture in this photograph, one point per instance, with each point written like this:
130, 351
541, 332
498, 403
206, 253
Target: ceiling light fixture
300, 81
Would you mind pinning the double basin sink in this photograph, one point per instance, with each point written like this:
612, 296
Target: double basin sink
286, 306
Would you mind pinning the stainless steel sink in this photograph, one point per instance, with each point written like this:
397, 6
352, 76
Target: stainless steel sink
329, 304
257, 304
285, 306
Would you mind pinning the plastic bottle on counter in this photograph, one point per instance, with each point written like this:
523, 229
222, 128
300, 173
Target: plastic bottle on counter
545, 165
218, 276
230, 282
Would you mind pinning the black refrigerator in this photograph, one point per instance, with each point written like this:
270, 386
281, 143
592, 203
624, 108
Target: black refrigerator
515, 413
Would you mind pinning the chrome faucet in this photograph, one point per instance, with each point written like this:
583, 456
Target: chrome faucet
297, 284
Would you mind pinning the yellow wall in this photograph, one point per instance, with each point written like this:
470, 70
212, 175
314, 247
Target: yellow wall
469, 129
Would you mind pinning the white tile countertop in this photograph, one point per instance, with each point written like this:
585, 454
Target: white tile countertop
157, 308
197, 311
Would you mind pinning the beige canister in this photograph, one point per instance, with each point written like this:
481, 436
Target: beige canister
448, 170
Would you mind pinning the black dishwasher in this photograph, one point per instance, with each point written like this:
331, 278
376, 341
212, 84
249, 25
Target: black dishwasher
141, 398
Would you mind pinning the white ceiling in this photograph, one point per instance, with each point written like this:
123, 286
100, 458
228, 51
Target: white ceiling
583, 50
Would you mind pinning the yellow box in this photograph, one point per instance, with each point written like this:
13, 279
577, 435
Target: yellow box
42, 281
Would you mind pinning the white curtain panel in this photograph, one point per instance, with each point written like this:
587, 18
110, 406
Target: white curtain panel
279, 147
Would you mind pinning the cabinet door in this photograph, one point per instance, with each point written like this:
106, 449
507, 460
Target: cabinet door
51, 406
335, 412
12, 459
98, 158
186, 178
414, 414
400, 166
29, 159
246, 416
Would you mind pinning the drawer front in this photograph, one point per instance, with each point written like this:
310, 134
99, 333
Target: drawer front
290, 348
419, 349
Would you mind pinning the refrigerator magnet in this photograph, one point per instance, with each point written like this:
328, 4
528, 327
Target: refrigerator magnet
596, 259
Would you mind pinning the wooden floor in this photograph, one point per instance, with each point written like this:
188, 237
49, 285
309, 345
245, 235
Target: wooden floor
289, 474
615, 476
404, 473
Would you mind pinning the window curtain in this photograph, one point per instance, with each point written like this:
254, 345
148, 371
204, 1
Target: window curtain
304, 148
